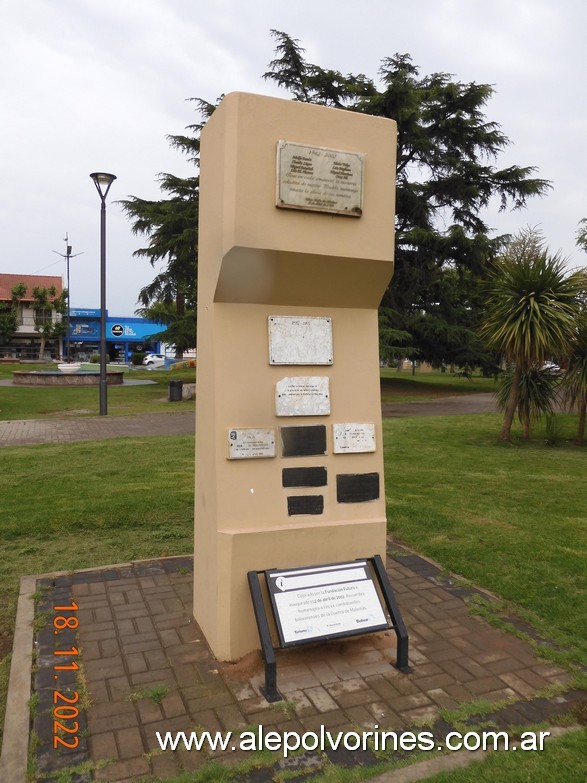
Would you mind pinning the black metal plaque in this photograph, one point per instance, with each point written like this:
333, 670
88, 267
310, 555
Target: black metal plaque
303, 477
303, 441
305, 504
357, 487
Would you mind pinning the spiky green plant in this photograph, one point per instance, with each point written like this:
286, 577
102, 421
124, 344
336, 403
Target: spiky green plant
531, 309
574, 385
537, 395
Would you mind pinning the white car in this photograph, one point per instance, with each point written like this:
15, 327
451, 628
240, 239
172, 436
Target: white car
152, 360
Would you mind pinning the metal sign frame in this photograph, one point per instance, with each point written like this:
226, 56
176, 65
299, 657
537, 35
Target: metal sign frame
375, 575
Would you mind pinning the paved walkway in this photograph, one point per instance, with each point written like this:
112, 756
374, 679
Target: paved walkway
147, 668
31, 431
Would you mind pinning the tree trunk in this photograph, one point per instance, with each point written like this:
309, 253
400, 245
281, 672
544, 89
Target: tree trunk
42, 347
506, 429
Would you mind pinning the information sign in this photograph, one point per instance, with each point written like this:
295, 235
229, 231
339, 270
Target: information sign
325, 602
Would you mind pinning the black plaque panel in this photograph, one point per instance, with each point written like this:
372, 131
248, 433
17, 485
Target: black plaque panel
357, 487
304, 441
303, 477
305, 504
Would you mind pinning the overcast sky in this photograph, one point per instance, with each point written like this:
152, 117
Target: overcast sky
96, 85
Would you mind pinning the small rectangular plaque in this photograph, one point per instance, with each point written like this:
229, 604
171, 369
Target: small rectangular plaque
357, 487
352, 438
305, 504
319, 179
302, 396
300, 340
303, 441
251, 443
325, 602
304, 477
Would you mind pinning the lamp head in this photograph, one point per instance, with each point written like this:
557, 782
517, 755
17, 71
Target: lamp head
102, 181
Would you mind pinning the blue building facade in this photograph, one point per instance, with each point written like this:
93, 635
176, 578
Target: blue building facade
124, 336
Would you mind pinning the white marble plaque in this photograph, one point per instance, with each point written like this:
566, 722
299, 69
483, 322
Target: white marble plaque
300, 340
302, 396
251, 443
352, 438
319, 179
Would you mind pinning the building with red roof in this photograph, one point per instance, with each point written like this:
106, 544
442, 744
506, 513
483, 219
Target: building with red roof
26, 342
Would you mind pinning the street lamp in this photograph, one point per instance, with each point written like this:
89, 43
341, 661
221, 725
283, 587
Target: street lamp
67, 255
102, 182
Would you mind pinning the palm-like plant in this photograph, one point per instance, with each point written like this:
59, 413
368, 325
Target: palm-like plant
537, 395
574, 383
531, 309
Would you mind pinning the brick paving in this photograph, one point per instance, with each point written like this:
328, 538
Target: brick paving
148, 668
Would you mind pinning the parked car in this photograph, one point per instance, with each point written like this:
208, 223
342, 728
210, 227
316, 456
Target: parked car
154, 360
551, 367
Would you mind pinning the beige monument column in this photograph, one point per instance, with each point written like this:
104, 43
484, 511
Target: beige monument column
295, 253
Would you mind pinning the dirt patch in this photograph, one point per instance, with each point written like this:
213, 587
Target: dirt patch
245, 668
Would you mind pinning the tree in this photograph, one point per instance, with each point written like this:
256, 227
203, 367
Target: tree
171, 226
181, 329
9, 312
445, 179
46, 302
574, 382
531, 308
537, 395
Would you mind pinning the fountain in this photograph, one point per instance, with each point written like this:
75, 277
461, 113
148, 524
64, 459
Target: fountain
67, 374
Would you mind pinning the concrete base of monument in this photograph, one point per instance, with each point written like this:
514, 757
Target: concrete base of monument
224, 610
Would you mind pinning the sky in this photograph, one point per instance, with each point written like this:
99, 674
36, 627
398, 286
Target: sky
97, 85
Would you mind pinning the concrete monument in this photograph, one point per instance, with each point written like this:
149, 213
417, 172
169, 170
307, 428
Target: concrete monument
295, 253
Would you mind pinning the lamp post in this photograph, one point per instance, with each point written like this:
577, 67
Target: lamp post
102, 181
67, 255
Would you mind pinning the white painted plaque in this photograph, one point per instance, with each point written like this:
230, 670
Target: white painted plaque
302, 396
251, 443
300, 339
352, 438
319, 179
313, 603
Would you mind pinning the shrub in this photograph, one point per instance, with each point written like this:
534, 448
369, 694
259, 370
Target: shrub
137, 357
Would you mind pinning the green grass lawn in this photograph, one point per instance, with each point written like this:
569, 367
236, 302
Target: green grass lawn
511, 518
38, 402
563, 760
